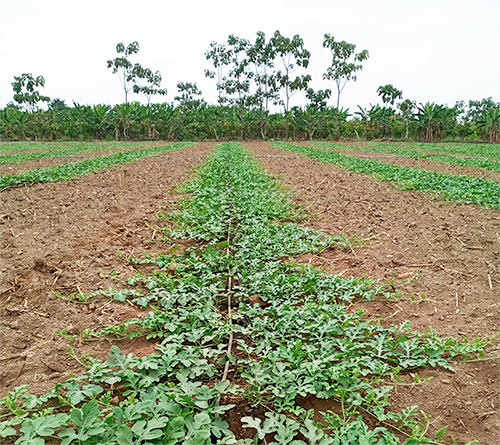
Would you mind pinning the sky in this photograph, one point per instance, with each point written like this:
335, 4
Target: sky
439, 51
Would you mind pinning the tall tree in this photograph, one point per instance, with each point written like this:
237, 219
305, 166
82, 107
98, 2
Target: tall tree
236, 85
261, 55
406, 108
25, 93
345, 64
220, 57
318, 98
293, 55
127, 72
389, 93
187, 95
153, 83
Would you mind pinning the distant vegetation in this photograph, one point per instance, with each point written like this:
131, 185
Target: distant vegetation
250, 78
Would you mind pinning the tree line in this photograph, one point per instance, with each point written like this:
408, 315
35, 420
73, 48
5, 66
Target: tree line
249, 77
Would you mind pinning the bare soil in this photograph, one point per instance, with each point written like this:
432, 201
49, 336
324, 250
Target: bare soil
64, 237
400, 147
19, 167
440, 255
425, 164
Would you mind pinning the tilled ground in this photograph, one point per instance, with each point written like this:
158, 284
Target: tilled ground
64, 237
17, 168
425, 164
443, 255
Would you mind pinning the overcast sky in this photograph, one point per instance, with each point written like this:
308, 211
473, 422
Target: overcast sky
433, 50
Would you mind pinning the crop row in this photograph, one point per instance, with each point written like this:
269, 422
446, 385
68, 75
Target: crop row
235, 321
458, 188
19, 146
75, 149
485, 164
479, 150
80, 168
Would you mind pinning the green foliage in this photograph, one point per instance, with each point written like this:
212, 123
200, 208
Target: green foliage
469, 190
64, 152
25, 93
76, 169
129, 73
153, 85
293, 55
187, 93
389, 93
300, 340
345, 63
406, 151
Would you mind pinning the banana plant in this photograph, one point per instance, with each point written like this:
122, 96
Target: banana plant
100, 115
491, 122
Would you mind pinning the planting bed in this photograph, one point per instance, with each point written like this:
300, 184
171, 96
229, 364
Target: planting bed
63, 238
426, 164
457, 247
57, 158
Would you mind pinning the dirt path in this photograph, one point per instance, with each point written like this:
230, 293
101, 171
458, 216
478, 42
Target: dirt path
447, 252
64, 237
15, 169
418, 163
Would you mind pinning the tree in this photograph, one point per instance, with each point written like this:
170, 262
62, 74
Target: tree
25, 93
490, 120
478, 108
236, 85
100, 113
389, 93
434, 120
318, 98
293, 55
221, 57
187, 92
153, 80
261, 55
344, 63
127, 72
58, 105
406, 108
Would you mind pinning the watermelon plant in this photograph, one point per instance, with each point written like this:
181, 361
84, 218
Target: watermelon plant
237, 319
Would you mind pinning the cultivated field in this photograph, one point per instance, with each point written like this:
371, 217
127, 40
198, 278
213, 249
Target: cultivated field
313, 293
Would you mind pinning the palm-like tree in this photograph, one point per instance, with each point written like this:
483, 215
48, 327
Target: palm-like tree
491, 122
100, 115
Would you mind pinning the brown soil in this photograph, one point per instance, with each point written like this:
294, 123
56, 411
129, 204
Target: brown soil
397, 145
15, 169
64, 237
425, 164
447, 252
58, 146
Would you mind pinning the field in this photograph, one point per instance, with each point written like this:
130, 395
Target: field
312, 293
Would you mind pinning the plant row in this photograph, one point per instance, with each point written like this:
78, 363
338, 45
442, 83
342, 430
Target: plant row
234, 321
484, 164
75, 149
457, 188
75, 169
21, 146
488, 151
